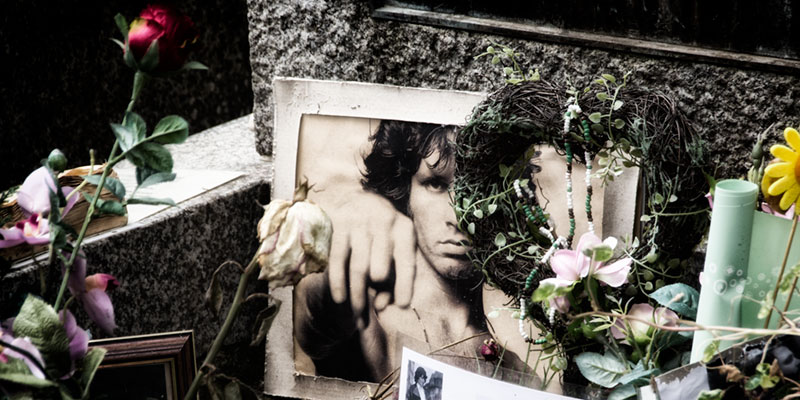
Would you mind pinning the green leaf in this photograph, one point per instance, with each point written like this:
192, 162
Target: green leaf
112, 184
543, 292
504, 170
126, 136
622, 392
471, 228
119, 43
598, 128
500, 239
605, 371
789, 277
15, 370
90, 362
508, 71
617, 105
609, 78
110, 207
716, 394
150, 59
711, 350
531, 249
514, 81
645, 218
658, 198
618, 123
495, 60
478, 213
639, 375
130, 61
766, 305
595, 117
490, 50
38, 321
601, 253
122, 25
171, 129
136, 123
264, 322
152, 155
491, 208
602, 96
152, 201
195, 65
672, 198
685, 305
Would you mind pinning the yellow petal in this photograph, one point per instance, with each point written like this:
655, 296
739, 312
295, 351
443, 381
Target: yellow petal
783, 152
782, 185
777, 170
792, 137
789, 197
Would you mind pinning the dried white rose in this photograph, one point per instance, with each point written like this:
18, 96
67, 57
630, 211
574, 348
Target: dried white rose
295, 240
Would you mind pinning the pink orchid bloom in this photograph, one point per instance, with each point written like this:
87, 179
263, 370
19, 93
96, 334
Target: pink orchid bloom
642, 332
573, 265
34, 194
91, 291
34, 230
789, 214
24, 344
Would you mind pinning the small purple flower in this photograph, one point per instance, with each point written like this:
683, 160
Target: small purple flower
92, 293
33, 231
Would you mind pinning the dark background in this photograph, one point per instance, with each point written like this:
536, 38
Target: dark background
766, 27
63, 81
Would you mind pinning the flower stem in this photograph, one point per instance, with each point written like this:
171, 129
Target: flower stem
780, 275
226, 326
86, 221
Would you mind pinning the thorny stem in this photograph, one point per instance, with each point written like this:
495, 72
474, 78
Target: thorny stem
780, 275
226, 327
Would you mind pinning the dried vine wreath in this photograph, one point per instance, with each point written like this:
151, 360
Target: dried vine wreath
622, 126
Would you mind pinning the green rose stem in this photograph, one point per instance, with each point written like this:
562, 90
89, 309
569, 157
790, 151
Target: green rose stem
226, 326
139, 79
780, 275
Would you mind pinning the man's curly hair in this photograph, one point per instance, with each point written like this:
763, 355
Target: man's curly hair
398, 148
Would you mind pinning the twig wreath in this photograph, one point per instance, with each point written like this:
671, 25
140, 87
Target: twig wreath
495, 184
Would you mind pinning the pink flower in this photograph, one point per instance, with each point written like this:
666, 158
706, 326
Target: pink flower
92, 292
559, 303
78, 339
573, 265
23, 344
34, 194
789, 214
642, 332
33, 231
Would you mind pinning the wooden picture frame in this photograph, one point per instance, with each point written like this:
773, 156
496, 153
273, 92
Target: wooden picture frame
134, 365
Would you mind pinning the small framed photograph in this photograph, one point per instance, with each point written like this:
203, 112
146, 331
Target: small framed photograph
159, 366
377, 153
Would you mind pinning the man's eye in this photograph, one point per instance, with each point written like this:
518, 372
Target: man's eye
436, 185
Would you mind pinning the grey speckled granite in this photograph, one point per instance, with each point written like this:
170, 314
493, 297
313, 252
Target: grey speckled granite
165, 261
338, 40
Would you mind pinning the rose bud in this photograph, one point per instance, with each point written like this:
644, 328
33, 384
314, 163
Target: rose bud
490, 350
295, 239
173, 33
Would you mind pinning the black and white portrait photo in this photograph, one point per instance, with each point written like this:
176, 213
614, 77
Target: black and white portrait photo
423, 383
398, 272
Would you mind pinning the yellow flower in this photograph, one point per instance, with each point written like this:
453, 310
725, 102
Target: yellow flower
786, 171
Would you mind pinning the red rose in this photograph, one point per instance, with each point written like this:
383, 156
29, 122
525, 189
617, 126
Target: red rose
174, 32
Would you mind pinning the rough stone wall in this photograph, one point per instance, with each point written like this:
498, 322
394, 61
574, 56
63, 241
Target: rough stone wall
338, 40
63, 80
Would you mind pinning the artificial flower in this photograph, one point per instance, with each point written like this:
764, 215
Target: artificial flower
33, 196
558, 303
78, 338
573, 265
641, 331
26, 345
34, 230
295, 240
789, 214
173, 31
92, 293
782, 176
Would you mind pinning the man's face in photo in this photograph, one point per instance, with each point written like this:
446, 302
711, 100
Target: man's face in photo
429, 205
